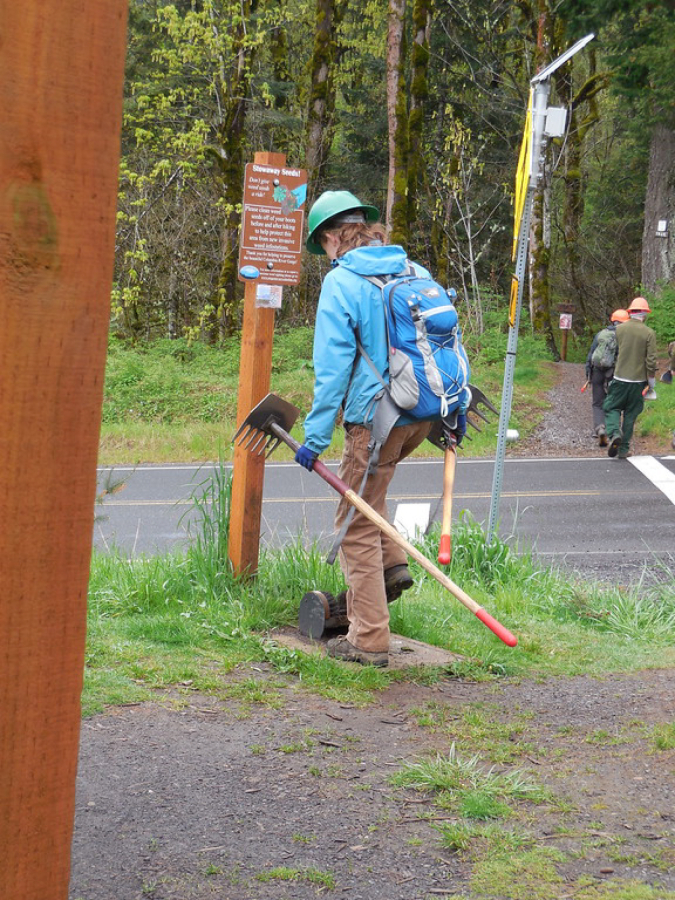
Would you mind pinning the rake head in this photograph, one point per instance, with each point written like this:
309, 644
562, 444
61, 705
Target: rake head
478, 398
441, 434
257, 432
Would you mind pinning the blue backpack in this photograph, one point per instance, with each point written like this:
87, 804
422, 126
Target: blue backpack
428, 367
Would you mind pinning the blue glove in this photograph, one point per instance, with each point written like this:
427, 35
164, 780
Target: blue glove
306, 457
460, 428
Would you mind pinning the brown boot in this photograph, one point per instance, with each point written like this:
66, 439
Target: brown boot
396, 580
340, 648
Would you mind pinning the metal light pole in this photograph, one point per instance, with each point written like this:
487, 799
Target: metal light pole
541, 123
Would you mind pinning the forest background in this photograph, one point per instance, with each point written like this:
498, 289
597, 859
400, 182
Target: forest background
418, 107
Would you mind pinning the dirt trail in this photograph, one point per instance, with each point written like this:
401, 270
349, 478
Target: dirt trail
204, 800
196, 798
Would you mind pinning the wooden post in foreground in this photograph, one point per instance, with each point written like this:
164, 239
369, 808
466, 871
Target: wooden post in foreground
61, 80
255, 368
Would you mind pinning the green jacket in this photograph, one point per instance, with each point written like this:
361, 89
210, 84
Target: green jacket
637, 351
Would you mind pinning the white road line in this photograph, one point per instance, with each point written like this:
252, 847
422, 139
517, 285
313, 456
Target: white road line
657, 473
412, 519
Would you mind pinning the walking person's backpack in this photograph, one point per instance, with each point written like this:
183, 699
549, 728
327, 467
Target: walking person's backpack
428, 367
604, 355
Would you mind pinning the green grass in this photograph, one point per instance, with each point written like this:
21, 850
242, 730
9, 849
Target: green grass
462, 784
184, 619
324, 880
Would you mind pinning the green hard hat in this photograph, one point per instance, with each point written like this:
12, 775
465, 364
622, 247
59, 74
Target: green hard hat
330, 204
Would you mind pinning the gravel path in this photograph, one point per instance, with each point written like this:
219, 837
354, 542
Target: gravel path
567, 427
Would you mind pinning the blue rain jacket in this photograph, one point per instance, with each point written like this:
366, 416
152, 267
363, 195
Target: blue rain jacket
350, 305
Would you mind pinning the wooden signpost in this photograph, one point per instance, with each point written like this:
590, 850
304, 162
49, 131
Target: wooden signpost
270, 254
61, 87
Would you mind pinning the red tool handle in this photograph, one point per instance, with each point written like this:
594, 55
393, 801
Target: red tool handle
444, 549
502, 633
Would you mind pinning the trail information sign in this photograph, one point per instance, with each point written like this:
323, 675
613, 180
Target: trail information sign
272, 221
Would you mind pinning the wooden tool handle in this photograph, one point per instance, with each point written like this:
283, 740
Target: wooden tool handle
445, 545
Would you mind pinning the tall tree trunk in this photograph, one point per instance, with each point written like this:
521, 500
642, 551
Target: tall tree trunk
61, 82
175, 287
419, 92
658, 252
574, 186
233, 90
320, 120
397, 116
540, 304
321, 112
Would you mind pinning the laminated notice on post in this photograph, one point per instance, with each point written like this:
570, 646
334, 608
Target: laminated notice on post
272, 222
268, 295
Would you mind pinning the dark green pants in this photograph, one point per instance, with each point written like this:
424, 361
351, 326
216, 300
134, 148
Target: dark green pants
623, 397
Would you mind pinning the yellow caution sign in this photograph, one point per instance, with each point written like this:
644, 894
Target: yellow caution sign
513, 305
522, 176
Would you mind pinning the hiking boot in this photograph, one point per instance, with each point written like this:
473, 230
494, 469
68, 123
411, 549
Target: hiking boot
601, 435
340, 648
624, 454
396, 580
613, 448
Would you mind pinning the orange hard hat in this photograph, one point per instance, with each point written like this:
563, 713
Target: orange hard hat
639, 305
620, 315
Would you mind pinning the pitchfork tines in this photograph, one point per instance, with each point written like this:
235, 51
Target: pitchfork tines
259, 432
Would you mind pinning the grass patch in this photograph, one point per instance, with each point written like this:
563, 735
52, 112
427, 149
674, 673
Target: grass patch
663, 737
462, 784
324, 880
185, 617
478, 726
528, 875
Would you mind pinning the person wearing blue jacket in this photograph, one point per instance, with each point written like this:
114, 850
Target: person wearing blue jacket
350, 307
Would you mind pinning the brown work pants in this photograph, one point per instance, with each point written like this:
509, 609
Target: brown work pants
366, 552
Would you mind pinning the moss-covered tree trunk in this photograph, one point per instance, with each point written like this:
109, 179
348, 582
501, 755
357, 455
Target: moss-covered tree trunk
320, 123
419, 92
397, 116
321, 111
540, 304
574, 183
233, 90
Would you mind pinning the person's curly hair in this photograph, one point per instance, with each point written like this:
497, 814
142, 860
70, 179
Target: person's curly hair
357, 234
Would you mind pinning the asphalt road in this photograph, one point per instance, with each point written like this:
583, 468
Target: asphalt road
602, 517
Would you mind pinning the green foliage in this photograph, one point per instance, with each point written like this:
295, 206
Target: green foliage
662, 317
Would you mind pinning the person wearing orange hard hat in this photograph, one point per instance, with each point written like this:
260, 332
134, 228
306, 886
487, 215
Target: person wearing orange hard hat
634, 372
600, 370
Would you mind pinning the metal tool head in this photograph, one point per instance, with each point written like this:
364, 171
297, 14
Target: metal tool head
256, 430
478, 398
442, 434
